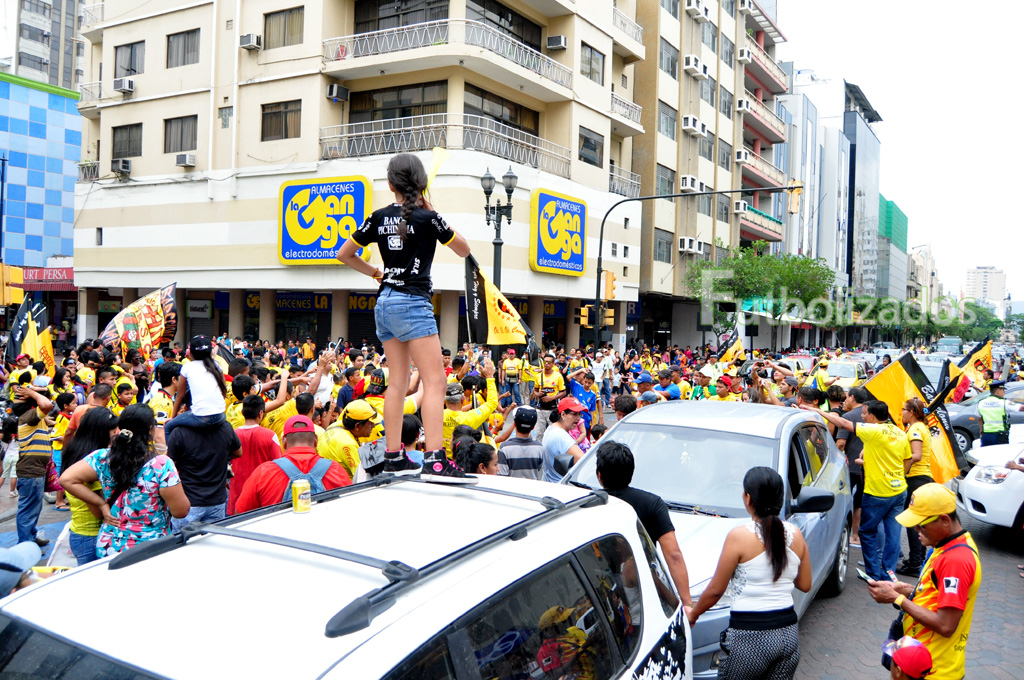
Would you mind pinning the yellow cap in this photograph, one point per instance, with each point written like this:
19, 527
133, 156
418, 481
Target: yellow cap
556, 614
359, 409
930, 500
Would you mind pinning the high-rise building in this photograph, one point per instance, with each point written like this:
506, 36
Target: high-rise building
232, 147
865, 158
41, 41
987, 285
804, 164
892, 250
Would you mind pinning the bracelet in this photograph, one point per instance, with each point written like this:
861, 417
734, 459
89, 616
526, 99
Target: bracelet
376, 273
898, 602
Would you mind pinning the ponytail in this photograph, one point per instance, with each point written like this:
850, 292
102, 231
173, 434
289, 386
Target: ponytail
408, 177
766, 490
130, 449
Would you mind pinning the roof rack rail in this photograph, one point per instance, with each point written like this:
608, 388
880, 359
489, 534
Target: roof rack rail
360, 612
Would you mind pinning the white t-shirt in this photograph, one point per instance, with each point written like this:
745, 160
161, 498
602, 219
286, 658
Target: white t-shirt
207, 399
556, 442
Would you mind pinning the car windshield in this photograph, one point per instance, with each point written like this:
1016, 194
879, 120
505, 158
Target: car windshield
932, 370
842, 370
804, 363
687, 466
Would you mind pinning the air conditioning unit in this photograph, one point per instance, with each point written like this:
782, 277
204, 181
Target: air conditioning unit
704, 16
684, 244
700, 247
185, 160
745, 6
691, 125
557, 42
337, 92
744, 55
691, 64
47, 34
704, 188
688, 184
702, 129
739, 207
742, 156
251, 41
703, 72
125, 85
121, 166
694, 8
743, 106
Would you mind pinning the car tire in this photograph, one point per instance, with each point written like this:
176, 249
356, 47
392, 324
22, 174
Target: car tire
963, 439
836, 581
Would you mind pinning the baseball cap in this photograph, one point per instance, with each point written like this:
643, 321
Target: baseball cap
912, 657
525, 415
645, 377
199, 343
298, 424
511, 352
929, 500
23, 356
359, 409
554, 615
676, 368
791, 381
572, 404
378, 382
995, 384
598, 355
708, 371
726, 380
454, 390
14, 562
649, 398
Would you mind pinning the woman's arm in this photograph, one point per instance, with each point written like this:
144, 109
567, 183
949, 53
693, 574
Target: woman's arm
916, 447
459, 245
176, 500
803, 575
720, 581
347, 255
76, 480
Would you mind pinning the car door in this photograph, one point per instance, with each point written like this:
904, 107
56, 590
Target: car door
805, 468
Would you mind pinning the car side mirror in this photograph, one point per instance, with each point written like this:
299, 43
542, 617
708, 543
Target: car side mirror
563, 464
813, 500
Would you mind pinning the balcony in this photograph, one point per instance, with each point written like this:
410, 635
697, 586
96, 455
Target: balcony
763, 172
632, 48
623, 182
448, 130
764, 70
763, 121
628, 113
449, 42
92, 16
88, 171
91, 93
758, 226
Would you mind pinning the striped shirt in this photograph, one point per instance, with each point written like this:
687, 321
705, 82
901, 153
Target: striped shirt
524, 458
33, 444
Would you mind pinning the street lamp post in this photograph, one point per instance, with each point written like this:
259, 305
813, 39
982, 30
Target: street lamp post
494, 213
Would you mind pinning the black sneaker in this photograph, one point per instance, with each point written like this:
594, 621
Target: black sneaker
398, 464
438, 468
908, 569
41, 542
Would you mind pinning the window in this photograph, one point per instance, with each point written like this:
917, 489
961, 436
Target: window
625, 272
32, 61
728, 52
483, 103
724, 154
668, 59
671, 6
625, 251
591, 147
411, 100
725, 101
704, 205
662, 246
710, 36
35, 34
281, 29
666, 590
615, 249
706, 146
180, 134
729, 7
625, 81
510, 22
99, 236
664, 181
722, 208
592, 64
376, 15
226, 112
183, 48
36, 6
667, 120
707, 90
282, 120
611, 569
129, 60
625, 223
127, 141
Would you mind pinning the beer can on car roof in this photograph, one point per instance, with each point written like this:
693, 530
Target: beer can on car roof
301, 496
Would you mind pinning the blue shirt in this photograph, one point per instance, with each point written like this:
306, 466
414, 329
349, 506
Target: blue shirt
556, 442
585, 397
672, 391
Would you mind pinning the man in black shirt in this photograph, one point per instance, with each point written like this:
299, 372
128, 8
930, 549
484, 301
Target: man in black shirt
615, 471
201, 455
851, 445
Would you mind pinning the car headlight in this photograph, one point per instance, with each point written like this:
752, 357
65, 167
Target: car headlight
992, 474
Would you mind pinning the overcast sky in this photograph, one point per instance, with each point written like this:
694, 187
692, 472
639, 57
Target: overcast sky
941, 75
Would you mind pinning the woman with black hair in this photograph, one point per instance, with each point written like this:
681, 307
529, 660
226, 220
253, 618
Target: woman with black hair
474, 457
96, 430
140, 492
761, 562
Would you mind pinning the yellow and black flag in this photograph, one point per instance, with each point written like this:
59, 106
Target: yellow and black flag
27, 338
977, 361
903, 379
733, 348
950, 379
491, 318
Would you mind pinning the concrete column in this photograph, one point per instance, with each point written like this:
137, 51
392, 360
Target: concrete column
88, 313
268, 314
449, 330
128, 296
619, 327
572, 329
236, 313
535, 318
179, 300
339, 314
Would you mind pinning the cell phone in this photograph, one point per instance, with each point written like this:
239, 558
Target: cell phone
863, 575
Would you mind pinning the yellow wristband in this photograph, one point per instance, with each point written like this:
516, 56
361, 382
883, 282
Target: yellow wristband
898, 602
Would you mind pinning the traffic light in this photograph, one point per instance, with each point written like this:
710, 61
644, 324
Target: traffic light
609, 317
609, 284
794, 196
583, 316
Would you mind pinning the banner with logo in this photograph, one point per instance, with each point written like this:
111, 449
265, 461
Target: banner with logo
492, 320
558, 233
145, 324
977, 361
316, 216
733, 348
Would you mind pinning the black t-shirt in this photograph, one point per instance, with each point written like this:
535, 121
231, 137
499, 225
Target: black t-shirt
854, 446
651, 510
201, 455
406, 261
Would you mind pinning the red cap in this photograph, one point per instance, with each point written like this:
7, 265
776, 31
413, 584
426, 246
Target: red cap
511, 352
298, 424
726, 380
914, 660
571, 404
23, 356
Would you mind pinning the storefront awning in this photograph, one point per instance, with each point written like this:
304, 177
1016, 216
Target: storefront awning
48, 279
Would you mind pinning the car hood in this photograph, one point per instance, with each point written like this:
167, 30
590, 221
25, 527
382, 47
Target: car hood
993, 455
701, 539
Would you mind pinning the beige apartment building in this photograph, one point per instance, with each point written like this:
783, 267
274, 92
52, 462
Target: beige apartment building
231, 147
711, 122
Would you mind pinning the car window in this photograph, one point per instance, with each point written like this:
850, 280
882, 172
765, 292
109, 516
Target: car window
612, 570
799, 467
430, 661
662, 583
1017, 398
818, 454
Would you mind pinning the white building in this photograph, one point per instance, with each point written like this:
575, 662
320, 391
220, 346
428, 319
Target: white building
987, 284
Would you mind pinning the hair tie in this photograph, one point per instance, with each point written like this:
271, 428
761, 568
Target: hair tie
126, 435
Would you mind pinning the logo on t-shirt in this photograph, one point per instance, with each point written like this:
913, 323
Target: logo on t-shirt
951, 584
394, 242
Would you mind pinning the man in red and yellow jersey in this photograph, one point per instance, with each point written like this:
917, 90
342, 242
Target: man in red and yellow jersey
938, 611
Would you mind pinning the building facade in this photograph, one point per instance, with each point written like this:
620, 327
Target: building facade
805, 163
987, 285
862, 211
892, 250
41, 41
234, 153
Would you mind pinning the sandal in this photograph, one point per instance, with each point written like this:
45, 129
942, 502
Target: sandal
1020, 566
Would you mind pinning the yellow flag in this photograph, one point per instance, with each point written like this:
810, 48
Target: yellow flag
440, 156
977, 361
491, 318
39, 346
734, 348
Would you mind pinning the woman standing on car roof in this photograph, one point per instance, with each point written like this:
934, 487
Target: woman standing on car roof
761, 562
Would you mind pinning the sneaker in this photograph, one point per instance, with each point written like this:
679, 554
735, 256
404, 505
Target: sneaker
13, 494
398, 464
41, 541
909, 569
438, 468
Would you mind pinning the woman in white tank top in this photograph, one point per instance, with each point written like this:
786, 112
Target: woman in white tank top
761, 563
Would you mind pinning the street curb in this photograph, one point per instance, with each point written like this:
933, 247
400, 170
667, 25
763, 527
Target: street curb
8, 514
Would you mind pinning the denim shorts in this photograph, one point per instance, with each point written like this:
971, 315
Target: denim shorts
403, 316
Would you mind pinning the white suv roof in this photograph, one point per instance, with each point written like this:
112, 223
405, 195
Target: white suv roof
247, 608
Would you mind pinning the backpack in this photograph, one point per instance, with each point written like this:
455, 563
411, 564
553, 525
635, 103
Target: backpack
315, 477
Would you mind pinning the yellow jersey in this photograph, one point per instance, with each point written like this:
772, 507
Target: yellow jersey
885, 449
377, 402
341, 446
276, 419
60, 426
918, 432
162, 405
474, 418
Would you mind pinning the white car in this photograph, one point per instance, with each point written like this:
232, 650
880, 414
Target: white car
989, 491
395, 578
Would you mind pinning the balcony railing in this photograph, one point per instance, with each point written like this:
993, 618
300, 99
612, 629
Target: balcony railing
626, 108
767, 63
90, 92
92, 14
767, 115
768, 169
88, 171
627, 25
447, 32
763, 220
623, 182
448, 130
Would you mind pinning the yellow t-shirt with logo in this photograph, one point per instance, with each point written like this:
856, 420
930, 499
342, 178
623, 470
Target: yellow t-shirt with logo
233, 414
377, 402
550, 384
918, 432
728, 396
162, 405
60, 426
885, 449
341, 446
513, 369
276, 419
684, 389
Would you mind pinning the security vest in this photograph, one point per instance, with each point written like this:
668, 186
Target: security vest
993, 411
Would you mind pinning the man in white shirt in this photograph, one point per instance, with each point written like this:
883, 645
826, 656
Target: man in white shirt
604, 366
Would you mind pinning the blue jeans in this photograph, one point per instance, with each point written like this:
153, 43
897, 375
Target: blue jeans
516, 396
875, 511
208, 513
30, 504
83, 547
189, 419
606, 392
403, 316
